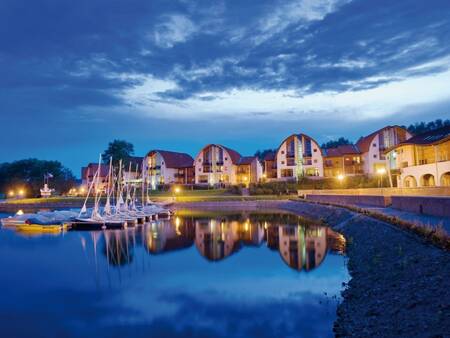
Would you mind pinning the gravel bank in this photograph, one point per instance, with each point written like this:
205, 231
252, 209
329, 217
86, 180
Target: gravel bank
400, 285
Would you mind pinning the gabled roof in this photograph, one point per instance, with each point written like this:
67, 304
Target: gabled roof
246, 160
270, 156
92, 168
174, 159
300, 135
347, 149
235, 156
135, 161
363, 143
430, 137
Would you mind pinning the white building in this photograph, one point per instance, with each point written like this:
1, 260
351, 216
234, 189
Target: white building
299, 155
216, 164
373, 146
421, 161
168, 167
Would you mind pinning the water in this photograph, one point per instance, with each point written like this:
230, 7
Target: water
196, 275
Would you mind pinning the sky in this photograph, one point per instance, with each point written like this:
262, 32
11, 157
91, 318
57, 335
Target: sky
180, 74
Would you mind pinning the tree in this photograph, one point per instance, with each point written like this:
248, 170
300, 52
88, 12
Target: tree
118, 150
260, 154
29, 175
423, 127
334, 143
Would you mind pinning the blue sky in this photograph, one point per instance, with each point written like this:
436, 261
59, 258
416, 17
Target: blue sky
179, 74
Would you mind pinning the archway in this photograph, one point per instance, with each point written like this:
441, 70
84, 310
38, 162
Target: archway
427, 180
410, 182
445, 179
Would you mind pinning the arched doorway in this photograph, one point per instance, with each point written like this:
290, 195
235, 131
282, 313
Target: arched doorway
410, 182
445, 179
427, 180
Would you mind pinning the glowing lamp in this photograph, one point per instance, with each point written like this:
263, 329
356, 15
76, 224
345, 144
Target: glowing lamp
177, 190
340, 177
11, 193
381, 171
21, 192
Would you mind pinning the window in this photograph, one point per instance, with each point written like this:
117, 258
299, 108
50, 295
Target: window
282, 162
315, 150
282, 152
375, 156
374, 144
315, 161
199, 159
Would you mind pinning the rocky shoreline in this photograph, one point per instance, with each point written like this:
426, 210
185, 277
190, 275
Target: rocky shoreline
400, 285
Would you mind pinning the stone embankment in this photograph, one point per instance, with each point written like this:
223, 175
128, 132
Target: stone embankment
400, 285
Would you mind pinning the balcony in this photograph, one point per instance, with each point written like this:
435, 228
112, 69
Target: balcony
290, 154
290, 162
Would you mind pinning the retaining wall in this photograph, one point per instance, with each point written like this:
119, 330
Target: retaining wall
369, 200
435, 206
424, 191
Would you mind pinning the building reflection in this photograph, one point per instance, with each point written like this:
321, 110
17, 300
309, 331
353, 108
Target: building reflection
302, 247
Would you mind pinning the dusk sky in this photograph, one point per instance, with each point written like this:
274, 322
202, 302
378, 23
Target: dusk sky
177, 75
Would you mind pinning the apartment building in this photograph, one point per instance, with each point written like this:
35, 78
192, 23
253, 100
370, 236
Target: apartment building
422, 160
169, 167
343, 160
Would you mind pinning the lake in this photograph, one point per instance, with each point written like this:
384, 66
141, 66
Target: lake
198, 274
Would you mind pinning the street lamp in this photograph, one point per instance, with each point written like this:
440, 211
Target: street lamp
176, 191
21, 192
381, 172
11, 193
340, 178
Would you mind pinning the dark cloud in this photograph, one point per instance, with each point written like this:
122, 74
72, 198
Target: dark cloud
62, 65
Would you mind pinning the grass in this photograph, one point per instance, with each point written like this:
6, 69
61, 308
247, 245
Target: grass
215, 195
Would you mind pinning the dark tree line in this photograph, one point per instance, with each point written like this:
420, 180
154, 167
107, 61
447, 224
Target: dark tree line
29, 175
260, 154
334, 143
423, 127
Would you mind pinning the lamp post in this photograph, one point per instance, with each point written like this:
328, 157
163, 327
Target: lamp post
340, 178
176, 191
381, 172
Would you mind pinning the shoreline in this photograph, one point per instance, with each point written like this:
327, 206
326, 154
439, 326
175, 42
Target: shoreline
400, 284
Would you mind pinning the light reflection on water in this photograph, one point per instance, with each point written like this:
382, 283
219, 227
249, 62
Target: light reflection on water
240, 275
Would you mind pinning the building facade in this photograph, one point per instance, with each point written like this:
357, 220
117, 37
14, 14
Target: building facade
373, 147
216, 164
88, 173
297, 156
168, 167
343, 160
421, 161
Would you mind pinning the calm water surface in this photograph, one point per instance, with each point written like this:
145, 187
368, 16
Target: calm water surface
195, 275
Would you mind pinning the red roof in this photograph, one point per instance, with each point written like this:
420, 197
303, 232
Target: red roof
270, 156
174, 159
363, 143
246, 160
347, 149
92, 168
430, 137
235, 156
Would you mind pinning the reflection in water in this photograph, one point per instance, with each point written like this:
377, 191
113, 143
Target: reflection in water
302, 247
206, 275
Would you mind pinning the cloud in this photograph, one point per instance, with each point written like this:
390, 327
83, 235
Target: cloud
392, 94
173, 29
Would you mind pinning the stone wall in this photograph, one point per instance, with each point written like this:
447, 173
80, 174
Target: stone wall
368, 200
424, 191
435, 206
